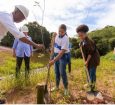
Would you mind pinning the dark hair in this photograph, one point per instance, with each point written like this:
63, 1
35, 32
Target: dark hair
63, 26
82, 28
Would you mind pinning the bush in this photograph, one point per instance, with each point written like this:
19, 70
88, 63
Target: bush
7, 40
73, 53
76, 53
103, 46
112, 43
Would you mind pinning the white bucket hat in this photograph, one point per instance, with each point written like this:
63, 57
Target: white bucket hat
24, 29
23, 9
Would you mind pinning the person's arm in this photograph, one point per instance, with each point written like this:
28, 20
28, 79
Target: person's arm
64, 48
8, 23
88, 59
59, 55
25, 40
90, 50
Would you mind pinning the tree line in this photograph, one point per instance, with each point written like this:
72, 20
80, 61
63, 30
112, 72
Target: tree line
104, 38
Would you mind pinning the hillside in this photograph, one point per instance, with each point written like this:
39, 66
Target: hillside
104, 39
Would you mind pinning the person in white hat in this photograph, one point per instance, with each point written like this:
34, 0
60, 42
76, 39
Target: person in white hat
22, 51
7, 24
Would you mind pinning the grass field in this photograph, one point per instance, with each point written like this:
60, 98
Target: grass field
20, 89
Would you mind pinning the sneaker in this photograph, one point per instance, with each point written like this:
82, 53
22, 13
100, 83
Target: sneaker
66, 92
54, 89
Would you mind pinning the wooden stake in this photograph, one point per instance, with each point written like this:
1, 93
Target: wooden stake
40, 94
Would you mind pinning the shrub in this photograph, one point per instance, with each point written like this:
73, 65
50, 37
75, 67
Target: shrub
103, 46
112, 43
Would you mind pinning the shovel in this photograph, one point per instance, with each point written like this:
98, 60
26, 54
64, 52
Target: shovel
43, 96
90, 95
46, 93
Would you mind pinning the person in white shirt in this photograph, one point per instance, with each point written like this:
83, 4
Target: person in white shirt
7, 24
61, 49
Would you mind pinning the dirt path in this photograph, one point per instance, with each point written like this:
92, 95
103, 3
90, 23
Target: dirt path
5, 49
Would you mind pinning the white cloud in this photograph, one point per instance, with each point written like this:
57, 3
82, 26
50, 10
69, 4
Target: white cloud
70, 12
108, 18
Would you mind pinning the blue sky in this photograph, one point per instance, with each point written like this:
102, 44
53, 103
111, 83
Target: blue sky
95, 13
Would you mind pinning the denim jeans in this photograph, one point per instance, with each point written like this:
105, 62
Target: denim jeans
92, 74
60, 71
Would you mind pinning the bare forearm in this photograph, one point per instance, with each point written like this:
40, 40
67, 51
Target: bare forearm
25, 40
88, 58
59, 55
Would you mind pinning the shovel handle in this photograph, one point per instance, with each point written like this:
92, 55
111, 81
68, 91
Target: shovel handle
86, 69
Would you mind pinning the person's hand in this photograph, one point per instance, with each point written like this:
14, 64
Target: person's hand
40, 46
51, 63
31, 55
86, 64
14, 54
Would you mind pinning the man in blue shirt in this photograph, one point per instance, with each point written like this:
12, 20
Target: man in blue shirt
22, 51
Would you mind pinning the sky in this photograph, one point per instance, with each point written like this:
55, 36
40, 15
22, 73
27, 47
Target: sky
95, 13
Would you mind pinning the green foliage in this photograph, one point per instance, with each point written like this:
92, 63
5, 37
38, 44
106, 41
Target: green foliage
39, 34
7, 40
112, 43
78, 53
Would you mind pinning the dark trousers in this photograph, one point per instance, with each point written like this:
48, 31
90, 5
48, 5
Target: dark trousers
19, 63
69, 67
69, 62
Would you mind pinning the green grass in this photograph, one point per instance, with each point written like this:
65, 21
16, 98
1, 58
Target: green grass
7, 63
105, 76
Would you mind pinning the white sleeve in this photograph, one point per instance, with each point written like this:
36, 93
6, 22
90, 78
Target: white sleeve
7, 22
65, 43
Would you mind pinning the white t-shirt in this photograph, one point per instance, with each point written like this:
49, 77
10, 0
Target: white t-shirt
61, 43
7, 24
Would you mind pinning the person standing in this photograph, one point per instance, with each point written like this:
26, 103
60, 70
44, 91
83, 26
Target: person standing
22, 51
7, 24
90, 53
60, 58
